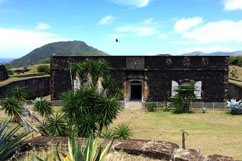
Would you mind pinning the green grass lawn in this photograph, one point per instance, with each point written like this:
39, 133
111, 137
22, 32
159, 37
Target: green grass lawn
215, 132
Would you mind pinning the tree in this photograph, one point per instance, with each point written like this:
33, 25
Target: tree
20, 93
88, 111
93, 107
98, 76
43, 107
183, 98
12, 107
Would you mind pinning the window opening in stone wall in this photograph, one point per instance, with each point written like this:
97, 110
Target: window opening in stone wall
197, 92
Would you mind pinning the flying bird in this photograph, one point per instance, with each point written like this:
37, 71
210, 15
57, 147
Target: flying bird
117, 40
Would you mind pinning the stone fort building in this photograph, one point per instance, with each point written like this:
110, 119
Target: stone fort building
153, 78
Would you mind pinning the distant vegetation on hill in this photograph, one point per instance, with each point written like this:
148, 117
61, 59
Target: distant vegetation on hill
235, 60
196, 53
68, 48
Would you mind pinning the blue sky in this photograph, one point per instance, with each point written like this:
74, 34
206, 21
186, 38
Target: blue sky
144, 27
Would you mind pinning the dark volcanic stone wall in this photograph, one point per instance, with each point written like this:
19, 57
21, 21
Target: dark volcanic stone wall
3, 73
36, 86
158, 71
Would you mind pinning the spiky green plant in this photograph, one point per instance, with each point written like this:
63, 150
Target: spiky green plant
43, 107
89, 152
18, 92
11, 107
8, 144
122, 131
183, 98
56, 126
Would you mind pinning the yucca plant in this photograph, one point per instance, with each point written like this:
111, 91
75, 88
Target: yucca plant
122, 131
43, 107
56, 126
11, 107
8, 144
18, 92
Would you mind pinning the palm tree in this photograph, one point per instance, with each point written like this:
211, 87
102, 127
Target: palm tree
43, 107
19, 93
108, 109
12, 107
91, 70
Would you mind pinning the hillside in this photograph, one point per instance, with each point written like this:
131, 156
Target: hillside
68, 48
235, 53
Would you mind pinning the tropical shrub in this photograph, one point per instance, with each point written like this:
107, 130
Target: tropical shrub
11, 107
183, 98
88, 111
8, 143
56, 126
122, 131
150, 106
43, 69
19, 92
43, 107
235, 106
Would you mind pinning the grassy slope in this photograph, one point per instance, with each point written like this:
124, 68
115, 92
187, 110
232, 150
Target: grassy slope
215, 132
237, 79
33, 70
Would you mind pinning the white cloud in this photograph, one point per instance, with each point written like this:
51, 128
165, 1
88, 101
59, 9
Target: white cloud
42, 26
162, 36
145, 31
148, 21
140, 31
106, 20
16, 43
185, 24
134, 3
221, 31
124, 29
205, 49
230, 5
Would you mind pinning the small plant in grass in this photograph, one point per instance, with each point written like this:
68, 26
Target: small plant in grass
235, 106
56, 125
166, 106
107, 134
122, 131
150, 106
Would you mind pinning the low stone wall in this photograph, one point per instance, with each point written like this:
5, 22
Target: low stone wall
234, 91
36, 86
156, 150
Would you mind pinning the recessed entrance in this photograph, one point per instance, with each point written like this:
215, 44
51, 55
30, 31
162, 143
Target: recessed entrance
136, 91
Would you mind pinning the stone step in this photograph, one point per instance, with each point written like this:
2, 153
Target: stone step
133, 105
